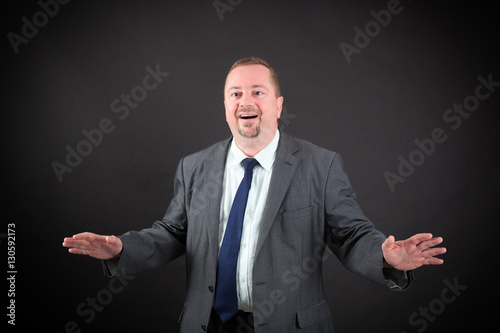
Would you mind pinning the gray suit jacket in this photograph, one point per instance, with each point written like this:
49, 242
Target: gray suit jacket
310, 205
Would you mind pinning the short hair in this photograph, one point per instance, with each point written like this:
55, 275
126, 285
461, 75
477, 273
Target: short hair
259, 61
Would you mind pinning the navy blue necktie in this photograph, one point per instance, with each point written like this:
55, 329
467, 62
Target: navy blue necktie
226, 298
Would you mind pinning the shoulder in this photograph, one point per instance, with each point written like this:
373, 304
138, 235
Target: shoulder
212, 155
209, 153
307, 150
315, 161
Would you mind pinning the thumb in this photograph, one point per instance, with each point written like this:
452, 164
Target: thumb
389, 241
114, 244
111, 241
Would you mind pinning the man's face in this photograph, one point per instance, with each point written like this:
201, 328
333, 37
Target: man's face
252, 108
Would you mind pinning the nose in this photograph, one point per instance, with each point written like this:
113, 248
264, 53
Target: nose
246, 104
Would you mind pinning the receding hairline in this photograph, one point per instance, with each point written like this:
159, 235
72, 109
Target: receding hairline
273, 75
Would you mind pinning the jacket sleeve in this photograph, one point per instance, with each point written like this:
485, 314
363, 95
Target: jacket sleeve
155, 246
352, 237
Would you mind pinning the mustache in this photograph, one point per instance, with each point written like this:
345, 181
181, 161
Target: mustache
248, 109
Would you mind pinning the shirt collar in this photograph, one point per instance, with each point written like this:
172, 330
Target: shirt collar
265, 157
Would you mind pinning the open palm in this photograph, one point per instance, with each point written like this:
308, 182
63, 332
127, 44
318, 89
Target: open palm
413, 252
97, 246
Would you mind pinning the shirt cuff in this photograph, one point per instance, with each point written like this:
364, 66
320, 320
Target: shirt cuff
110, 266
397, 280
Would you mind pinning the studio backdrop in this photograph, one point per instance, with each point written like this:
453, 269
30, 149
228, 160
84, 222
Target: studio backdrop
103, 98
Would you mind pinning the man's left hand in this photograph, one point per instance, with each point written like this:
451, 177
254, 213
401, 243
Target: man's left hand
413, 252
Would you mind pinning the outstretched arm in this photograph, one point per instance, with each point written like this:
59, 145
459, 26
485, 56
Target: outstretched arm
413, 252
96, 246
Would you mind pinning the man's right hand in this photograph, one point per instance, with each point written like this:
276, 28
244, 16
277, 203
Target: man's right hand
96, 246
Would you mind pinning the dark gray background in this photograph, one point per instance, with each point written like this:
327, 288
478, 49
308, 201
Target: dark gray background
370, 110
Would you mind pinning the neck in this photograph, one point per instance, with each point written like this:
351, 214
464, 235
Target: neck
252, 146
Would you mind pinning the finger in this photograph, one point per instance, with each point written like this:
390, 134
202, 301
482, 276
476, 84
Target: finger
433, 261
430, 243
389, 241
418, 238
70, 242
73, 240
434, 252
114, 245
78, 251
66, 242
89, 236
111, 240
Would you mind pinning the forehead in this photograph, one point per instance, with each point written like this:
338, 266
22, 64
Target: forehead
249, 75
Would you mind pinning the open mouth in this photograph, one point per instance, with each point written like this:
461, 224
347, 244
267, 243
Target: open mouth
248, 116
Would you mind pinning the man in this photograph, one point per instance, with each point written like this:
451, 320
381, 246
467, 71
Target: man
251, 210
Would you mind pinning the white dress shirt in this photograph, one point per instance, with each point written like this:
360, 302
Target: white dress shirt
233, 175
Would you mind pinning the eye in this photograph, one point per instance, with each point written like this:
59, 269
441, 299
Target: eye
259, 93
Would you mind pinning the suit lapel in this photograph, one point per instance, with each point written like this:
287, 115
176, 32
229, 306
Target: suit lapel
284, 168
213, 185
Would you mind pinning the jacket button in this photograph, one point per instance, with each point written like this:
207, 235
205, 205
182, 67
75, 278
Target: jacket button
204, 328
211, 288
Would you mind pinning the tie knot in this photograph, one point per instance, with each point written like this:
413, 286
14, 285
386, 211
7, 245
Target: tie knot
249, 163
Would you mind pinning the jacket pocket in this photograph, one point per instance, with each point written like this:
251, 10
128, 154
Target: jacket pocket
297, 213
313, 314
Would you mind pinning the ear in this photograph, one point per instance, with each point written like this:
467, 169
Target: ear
279, 106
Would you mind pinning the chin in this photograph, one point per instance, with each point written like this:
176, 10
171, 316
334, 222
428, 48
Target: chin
246, 133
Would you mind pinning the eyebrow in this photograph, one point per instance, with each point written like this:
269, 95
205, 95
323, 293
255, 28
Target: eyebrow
254, 86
